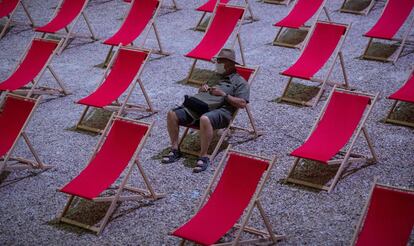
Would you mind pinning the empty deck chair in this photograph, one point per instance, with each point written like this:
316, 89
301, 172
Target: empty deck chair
174, 6
301, 12
324, 41
393, 17
123, 72
223, 205
404, 94
249, 75
209, 7
35, 61
226, 20
281, 2
347, 9
116, 153
7, 10
342, 121
387, 218
15, 114
66, 16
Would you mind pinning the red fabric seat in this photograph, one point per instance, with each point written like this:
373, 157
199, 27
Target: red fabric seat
7, 6
335, 128
245, 72
68, 12
300, 14
406, 92
228, 201
123, 72
390, 218
222, 26
319, 49
391, 20
137, 19
210, 5
36, 59
15, 113
109, 162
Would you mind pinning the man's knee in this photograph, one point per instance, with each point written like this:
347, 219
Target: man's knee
172, 116
204, 121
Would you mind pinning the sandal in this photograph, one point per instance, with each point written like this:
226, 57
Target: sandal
173, 156
205, 161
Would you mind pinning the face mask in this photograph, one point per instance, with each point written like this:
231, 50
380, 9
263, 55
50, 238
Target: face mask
220, 68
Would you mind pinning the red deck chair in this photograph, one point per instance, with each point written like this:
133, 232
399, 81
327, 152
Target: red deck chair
347, 9
393, 17
342, 121
301, 12
35, 61
325, 40
117, 152
225, 20
220, 209
67, 13
174, 6
209, 7
281, 2
404, 94
387, 218
249, 74
16, 112
124, 71
7, 10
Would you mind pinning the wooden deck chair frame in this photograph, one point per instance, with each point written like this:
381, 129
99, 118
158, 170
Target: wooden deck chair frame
402, 42
237, 39
361, 12
394, 106
10, 16
23, 163
69, 30
348, 155
278, 42
122, 107
255, 202
117, 197
226, 132
279, 2
368, 202
337, 54
35, 89
201, 28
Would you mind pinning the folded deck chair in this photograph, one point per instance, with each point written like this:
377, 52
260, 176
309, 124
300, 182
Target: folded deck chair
66, 16
342, 121
404, 94
387, 218
7, 10
220, 209
301, 12
174, 6
15, 114
225, 20
281, 2
249, 75
345, 9
35, 61
116, 153
209, 7
393, 17
123, 72
324, 41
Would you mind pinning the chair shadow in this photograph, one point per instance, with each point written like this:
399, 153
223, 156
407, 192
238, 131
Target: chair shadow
403, 112
300, 92
4, 182
356, 5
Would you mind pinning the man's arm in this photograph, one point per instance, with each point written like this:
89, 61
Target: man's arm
232, 100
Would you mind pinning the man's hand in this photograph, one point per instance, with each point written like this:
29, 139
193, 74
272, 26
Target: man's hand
216, 91
204, 88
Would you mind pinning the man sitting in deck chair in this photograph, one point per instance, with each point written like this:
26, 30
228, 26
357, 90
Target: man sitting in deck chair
211, 108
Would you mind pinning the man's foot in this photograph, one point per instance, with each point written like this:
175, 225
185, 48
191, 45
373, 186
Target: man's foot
173, 156
202, 164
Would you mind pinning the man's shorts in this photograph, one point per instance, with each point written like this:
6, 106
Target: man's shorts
219, 118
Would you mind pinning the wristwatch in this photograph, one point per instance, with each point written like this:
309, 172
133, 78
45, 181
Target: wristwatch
226, 96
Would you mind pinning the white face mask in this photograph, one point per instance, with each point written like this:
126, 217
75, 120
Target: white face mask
220, 68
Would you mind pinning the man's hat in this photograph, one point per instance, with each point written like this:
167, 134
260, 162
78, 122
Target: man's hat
228, 54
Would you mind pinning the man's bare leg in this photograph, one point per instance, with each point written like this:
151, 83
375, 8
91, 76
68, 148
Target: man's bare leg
173, 129
206, 135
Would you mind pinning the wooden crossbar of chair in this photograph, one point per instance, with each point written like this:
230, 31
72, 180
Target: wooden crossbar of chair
9, 18
277, 40
9, 162
357, 12
324, 81
346, 156
174, 4
139, 193
279, 2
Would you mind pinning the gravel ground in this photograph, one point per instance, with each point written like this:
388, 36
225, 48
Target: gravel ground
29, 201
